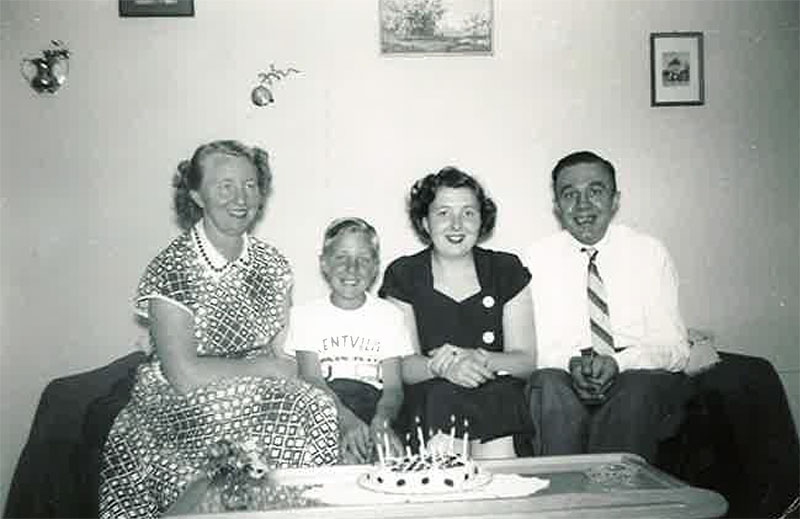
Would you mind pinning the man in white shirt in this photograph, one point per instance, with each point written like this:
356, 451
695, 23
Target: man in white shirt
610, 339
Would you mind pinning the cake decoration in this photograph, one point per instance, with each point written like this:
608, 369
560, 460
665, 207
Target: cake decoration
436, 468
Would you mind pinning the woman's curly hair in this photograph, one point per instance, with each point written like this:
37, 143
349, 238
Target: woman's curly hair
424, 191
189, 176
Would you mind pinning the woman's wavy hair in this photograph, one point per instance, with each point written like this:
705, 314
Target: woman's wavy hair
189, 177
424, 191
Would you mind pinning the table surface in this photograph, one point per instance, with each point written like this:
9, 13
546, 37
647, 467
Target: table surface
580, 486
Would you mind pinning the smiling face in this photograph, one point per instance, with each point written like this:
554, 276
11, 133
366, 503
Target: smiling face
453, 221
228, 194
586, 200
350, 265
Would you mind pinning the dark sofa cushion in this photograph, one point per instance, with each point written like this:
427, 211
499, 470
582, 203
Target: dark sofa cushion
740, 439
45, 482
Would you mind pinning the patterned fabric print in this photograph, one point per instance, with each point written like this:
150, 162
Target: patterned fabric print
170, 274
160, 440
246, 306
235, 312
158, 443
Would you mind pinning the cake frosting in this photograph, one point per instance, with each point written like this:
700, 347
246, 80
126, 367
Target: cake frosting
425, 474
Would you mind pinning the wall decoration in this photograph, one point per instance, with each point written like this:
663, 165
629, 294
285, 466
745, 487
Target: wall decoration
436, 26
156, 7
262, 93
46, 73
676, 69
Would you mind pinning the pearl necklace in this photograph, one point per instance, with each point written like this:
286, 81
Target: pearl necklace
199, 242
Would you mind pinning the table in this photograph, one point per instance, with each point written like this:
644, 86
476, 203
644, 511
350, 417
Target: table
578, 488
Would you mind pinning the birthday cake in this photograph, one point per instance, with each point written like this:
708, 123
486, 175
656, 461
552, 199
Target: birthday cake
428, 473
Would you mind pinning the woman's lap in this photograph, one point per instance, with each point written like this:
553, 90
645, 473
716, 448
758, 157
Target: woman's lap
160, 441
497, 408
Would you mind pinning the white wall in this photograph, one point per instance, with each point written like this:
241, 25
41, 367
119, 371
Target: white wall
85, 199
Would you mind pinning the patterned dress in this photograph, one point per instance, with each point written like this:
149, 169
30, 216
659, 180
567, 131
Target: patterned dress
159, 442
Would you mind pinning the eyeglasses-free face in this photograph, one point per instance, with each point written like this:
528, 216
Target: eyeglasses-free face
453, 221
350, 267
586, 200
228, 194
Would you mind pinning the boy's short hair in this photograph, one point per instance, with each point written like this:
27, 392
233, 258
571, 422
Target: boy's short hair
340, 226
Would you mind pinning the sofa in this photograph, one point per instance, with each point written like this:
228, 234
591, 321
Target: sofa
738, 439
57, 473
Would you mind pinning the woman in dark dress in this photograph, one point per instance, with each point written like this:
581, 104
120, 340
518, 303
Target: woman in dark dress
471, 316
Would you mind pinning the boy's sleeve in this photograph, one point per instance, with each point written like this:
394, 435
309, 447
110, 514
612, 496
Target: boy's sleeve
401, 338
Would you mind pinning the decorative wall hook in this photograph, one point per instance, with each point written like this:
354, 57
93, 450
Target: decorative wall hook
46, 74
262, 93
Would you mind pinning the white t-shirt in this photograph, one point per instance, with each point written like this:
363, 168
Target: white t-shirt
350, 343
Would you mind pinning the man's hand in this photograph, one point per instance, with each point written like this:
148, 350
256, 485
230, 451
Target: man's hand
604, 373
593, 376
579, 369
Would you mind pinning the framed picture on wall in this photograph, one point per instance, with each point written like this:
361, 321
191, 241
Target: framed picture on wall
436, 27
676, 69
156, 7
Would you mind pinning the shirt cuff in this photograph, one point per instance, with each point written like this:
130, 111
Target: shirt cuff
624, 359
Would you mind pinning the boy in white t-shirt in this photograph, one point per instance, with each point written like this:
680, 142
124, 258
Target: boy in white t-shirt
350, 343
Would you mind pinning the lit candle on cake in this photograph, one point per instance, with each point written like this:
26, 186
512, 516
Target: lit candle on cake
452, 434
466, 439
381, 459
386, 439
408, 445
420, 437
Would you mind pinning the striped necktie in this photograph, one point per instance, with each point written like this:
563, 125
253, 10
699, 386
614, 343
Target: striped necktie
602, 340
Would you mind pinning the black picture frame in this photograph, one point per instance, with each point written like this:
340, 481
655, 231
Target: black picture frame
135, 8
677, 75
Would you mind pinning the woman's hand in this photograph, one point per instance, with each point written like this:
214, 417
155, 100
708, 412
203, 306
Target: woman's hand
468, 370
441, 358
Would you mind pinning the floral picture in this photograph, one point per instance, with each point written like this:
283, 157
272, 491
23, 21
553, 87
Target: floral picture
436, 26
676, 69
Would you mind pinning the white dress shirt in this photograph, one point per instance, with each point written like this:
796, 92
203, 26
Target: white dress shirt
642, 295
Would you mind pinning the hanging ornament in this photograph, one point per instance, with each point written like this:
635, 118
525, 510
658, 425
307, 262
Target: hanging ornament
262, 93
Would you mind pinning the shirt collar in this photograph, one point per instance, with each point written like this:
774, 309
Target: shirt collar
217, 260
599, 246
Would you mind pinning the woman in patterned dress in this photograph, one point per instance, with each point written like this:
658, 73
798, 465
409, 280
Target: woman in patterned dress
216, 300
472, 316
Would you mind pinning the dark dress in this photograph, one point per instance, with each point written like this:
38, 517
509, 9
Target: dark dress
495, 409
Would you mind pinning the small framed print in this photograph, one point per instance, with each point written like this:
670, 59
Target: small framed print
676, 69
156, 7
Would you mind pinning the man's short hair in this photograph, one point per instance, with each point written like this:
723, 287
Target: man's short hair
584, 157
